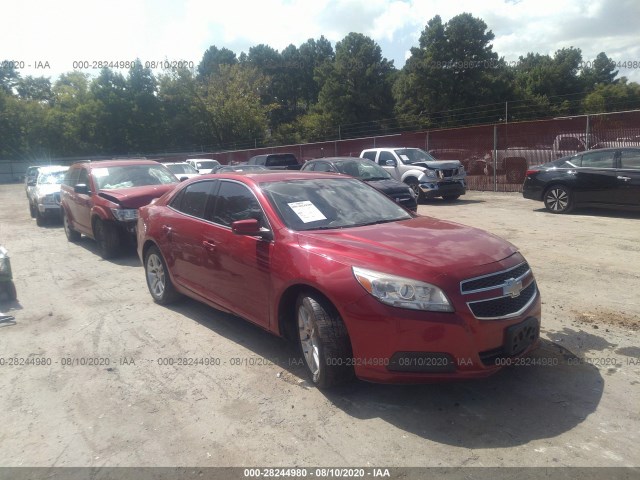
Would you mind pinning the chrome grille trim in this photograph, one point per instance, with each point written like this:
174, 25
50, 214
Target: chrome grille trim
506, 298
522, 270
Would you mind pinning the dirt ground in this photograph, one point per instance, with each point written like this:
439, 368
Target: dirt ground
87, 380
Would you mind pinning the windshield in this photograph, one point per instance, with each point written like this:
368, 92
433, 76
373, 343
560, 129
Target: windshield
126, 176
207, 164
181, 168
413, 155
331, 204
364, 170
54, 178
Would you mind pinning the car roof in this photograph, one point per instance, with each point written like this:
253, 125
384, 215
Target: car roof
115, 163
339, 159
53, 168
267, 176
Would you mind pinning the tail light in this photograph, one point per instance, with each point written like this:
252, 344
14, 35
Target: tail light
531, 172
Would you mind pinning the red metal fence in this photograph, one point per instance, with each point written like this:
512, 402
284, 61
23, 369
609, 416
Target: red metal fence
496, 156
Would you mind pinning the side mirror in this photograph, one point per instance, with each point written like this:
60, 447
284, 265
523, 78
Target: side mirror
182, 179
390, 163
249, 227
81, 188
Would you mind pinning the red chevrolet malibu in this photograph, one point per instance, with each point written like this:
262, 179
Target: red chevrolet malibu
365, 287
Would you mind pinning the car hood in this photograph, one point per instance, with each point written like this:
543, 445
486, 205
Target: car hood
136, 197
46, 189
411, 247
389, 186
438, 164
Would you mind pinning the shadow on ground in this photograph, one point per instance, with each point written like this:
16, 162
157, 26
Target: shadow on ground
550, 393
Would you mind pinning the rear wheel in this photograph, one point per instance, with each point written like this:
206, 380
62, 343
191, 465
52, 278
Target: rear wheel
558, 199
324, 341
107, 238
158, 280
71, 234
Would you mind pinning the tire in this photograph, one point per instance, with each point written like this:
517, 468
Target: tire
415, 186
107, 238
450, 198
158, 280
324, 341
32, 210
558, 199
71, 234
40, 219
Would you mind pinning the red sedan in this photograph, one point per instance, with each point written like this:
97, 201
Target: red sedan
365, 287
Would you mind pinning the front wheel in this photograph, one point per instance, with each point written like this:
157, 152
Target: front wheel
32, 210
558, 199
158, 280
450, 198
107, 237
72, 235
415, 186
40, 220
324, 341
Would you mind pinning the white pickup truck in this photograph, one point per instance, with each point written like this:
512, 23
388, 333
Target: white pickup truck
428, 177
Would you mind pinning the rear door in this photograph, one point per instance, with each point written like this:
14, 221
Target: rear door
628, 177
78, 205
595, 180
182, 231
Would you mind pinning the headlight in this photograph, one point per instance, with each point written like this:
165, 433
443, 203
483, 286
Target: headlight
4, 260
402, 292
430, 173
47, 199
125, 214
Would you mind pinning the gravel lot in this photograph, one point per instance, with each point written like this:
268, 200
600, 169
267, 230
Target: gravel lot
109, 396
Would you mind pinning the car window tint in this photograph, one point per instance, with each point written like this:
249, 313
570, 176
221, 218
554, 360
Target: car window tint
599, 159
193, 199
630, 159
370, 156
384, 156
71, 178
235, 201
83, 178
322, 167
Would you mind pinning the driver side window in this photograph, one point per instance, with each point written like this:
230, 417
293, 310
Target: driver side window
384, 156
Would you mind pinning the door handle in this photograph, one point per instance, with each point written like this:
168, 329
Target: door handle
624, 179
209, 245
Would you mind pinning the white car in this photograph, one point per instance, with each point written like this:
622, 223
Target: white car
182, 170
203, 165
44, 193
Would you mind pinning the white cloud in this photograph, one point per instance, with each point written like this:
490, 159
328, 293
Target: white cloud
65, 31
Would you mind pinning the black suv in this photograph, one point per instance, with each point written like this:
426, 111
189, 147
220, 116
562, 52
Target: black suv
276, 161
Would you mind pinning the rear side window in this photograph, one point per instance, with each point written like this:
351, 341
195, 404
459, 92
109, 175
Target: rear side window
193, 199
283, 160
599, 159
370, 155
630, 159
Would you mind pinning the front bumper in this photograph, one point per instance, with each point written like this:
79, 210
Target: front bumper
49, 209
440, 189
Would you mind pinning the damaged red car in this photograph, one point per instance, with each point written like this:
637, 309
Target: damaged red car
364, 287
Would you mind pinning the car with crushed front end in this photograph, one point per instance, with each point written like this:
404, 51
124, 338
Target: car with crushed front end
607, 177
101, 199
363, 286
44, 196
368, 172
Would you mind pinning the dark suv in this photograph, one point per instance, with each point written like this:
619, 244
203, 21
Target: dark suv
276, 161
101, 199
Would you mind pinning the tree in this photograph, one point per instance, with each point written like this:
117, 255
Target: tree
212, 59
602, 72
143, 129
613, 97
454, 67
356, 86
232, 102
109, 90
9, 76
37, 89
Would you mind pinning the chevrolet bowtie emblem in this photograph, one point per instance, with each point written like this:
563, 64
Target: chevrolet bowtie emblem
512, 287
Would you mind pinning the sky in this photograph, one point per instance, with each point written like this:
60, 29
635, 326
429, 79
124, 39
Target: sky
51, 37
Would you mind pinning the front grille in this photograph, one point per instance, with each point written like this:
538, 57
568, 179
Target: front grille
493, 280
502, 307
447, 172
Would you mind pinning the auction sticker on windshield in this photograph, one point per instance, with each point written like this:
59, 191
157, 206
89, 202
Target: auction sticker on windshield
307, 211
